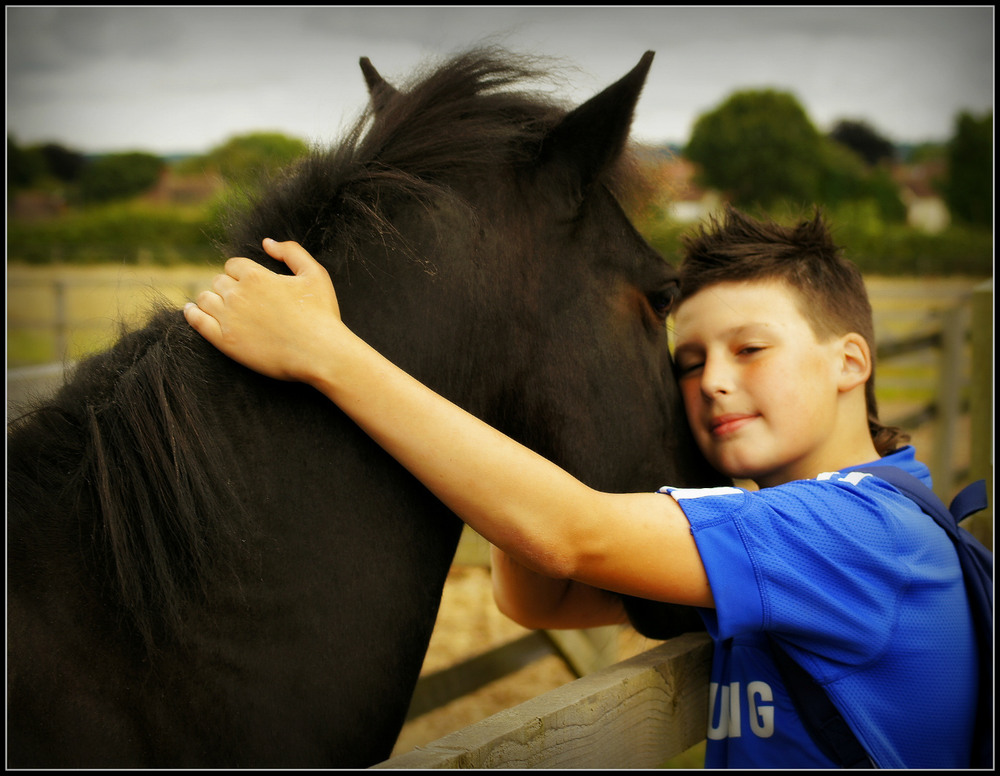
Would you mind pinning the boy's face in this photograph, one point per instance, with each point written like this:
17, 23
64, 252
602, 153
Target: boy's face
759, 389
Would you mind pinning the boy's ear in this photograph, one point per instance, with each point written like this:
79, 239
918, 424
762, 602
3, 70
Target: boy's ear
856, 362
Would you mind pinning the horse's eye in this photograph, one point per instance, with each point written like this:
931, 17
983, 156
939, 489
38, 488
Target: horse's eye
661, 301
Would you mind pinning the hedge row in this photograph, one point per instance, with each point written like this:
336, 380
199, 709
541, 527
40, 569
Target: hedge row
132, 233
126, 233
881, 249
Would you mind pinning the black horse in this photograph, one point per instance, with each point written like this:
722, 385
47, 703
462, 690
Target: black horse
207, 568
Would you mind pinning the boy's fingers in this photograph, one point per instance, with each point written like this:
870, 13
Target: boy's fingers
239, 267
223, 283
296, 258
211, 302
203, 323
293, 255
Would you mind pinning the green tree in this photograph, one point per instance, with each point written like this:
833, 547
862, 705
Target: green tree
845, 177
760, 148
119, 176
864, 141
880, 187
969, 190
841, 173
926, 153
246, 158
63, 163
25, 166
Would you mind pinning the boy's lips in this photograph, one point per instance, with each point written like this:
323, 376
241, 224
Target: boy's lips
727, 424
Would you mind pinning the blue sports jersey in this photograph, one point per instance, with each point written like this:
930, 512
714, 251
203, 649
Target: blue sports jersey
864, 590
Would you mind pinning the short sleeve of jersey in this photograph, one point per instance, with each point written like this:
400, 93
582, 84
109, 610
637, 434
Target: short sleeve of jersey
813, 561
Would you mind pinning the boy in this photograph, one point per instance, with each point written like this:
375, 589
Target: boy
772, 341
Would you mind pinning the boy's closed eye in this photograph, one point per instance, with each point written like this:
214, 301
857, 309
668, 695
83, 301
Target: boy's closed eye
688, 359
688, 362
688, 368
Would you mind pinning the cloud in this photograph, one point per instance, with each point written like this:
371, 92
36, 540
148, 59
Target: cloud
181, 79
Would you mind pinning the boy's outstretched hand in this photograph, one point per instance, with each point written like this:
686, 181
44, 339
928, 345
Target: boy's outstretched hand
278, 325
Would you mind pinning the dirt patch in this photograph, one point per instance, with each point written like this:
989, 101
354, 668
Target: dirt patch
469, 624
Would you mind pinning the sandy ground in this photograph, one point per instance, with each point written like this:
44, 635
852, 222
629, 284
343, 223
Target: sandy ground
469, 624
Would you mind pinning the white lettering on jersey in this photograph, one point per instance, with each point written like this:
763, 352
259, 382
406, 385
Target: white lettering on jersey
852, 478
760, 699
726, 710
679, 493
718, 730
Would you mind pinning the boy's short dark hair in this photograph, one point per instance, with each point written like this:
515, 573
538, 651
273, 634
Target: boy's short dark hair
833, 297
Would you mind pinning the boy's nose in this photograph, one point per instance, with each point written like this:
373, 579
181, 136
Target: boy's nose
715, 379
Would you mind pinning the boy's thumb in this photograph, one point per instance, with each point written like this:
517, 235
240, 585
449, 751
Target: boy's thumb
295, 257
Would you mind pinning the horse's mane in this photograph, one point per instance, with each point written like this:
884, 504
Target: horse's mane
125, 439
123, 450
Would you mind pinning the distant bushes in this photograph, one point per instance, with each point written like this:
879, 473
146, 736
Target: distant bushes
899, 250
107, 213
116, 177
877, 247
128, 233
134, 232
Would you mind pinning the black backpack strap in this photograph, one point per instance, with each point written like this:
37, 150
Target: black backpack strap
969, 500
825, 724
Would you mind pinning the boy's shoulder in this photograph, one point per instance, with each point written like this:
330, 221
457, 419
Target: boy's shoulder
845, 491
904, 458
861, 486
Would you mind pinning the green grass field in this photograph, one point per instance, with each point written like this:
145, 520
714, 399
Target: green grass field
96, 300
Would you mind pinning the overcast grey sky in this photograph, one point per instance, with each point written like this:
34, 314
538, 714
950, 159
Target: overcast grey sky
171, 79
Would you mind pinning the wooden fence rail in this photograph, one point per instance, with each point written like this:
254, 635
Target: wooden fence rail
635, 714
57, 316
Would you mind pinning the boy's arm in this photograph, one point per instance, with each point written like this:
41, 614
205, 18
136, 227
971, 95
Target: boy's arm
537, 601
289, 327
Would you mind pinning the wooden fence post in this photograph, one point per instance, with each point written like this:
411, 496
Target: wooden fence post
62, 320
949, 400
981, 405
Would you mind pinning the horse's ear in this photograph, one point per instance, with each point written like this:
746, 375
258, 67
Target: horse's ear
592, 136
380, 90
